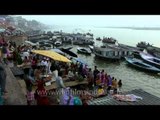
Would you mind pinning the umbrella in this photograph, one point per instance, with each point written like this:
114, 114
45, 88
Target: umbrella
52, 54
69, 52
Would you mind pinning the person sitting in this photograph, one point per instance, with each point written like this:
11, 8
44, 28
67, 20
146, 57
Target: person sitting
70, 75
59, 81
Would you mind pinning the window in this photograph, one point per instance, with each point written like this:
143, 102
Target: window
123, 52
107, 53
111, 53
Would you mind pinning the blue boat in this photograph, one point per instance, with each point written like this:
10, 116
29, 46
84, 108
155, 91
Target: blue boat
150, 59
139, 64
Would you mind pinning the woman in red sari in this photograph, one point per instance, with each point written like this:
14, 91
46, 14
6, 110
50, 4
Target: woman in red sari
41, 94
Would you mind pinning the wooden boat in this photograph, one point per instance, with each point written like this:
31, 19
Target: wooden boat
68, 48
84, 51
139, 64
109, 40
143, 45
69, 52
150, 59
99, 39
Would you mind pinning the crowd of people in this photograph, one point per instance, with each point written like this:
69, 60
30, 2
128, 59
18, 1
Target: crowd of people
36, 66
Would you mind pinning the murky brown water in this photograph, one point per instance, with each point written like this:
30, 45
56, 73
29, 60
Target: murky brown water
131, 78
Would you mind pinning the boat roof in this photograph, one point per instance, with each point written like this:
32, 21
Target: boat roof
111, 48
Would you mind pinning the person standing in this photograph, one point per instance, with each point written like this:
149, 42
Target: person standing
41, 95
90, 78
120, 85
95, 72
4, 53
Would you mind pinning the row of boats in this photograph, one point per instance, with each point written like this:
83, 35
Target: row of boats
113, 51
145, 62
107, 40
138, 59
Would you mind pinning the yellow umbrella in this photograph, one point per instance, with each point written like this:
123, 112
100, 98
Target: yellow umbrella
52, 54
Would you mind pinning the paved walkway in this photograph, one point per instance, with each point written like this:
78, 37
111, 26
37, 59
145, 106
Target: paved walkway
147, 99
15, 95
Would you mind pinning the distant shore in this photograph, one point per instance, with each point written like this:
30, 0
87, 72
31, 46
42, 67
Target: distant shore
136, 28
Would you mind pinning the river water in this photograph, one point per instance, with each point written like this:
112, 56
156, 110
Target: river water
131, 78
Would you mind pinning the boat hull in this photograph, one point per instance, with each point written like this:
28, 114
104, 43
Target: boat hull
138, 64
83, 52
105, 57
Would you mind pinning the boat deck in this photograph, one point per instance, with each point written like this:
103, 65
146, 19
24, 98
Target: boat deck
148, 99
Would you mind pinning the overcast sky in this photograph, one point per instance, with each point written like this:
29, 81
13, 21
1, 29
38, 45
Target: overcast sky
98, 20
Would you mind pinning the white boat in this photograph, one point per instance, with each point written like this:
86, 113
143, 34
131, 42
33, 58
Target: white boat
84, 51
58, 43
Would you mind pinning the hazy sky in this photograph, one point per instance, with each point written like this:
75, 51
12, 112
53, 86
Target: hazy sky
98, 20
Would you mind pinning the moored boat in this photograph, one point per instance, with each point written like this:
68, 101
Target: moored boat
68, 48
139, 64
84, 51
58, 43
150, 59
111, 52
109, 40
69, 52
143, 45
99, 39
